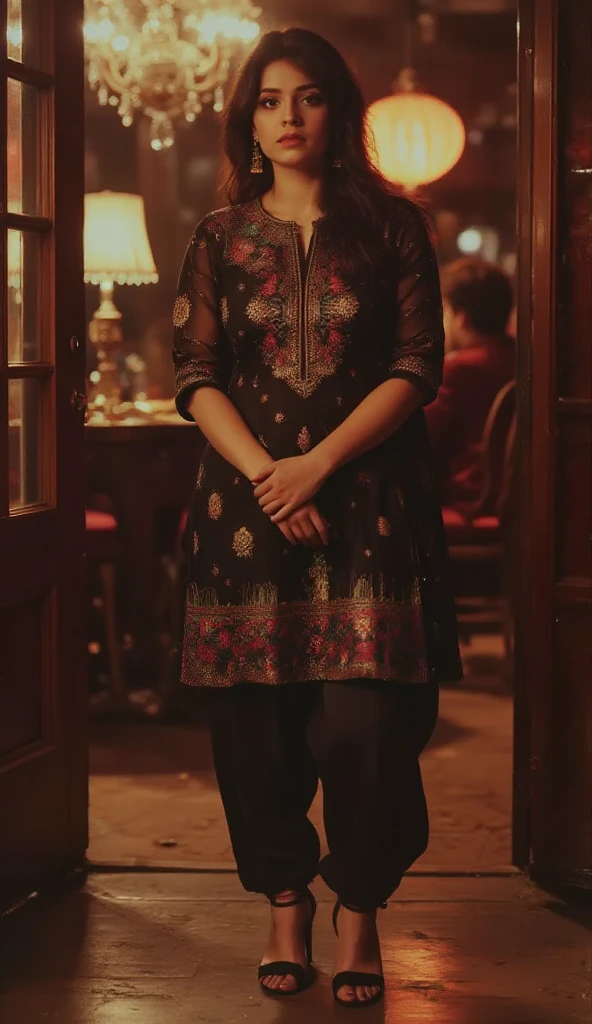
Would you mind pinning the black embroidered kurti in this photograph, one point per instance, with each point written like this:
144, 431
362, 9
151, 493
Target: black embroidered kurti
296, 347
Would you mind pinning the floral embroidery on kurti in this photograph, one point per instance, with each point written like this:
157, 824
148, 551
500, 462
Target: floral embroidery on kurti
297, 345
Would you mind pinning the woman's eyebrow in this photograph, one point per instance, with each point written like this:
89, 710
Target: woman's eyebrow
299, 88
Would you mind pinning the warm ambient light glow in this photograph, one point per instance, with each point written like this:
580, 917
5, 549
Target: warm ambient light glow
417, 137
116, 246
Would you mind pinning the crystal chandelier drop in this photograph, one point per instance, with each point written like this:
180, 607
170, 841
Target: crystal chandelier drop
164, 59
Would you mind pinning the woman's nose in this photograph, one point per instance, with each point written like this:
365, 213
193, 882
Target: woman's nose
292, 117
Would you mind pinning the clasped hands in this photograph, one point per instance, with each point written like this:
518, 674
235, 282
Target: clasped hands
284, 490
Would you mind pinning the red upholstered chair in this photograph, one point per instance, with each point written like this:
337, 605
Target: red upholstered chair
102, 550
478, 534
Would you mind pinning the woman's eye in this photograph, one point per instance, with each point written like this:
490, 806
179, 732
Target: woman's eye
313, 99
268, 101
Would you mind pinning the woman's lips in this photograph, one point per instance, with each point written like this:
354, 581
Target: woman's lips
292, 140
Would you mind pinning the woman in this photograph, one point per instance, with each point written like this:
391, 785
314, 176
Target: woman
308, 335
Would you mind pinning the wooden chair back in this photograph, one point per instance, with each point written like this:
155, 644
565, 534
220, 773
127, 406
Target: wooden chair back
497, 454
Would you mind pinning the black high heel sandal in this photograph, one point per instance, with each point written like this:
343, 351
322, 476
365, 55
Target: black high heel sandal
355, 978
303, 976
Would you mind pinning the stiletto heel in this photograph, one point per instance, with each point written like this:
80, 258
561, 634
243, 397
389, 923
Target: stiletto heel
355, 978
303, 976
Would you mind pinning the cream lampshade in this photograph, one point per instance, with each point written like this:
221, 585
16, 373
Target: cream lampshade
116, 251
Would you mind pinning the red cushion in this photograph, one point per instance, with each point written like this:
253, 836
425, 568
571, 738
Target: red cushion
453, 518
461, 532
100, 521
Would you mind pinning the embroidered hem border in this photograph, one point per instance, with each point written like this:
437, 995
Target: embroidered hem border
300, 642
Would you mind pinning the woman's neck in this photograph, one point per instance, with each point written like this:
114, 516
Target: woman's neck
295, 196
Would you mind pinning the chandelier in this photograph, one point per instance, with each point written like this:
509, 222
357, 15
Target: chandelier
165, 59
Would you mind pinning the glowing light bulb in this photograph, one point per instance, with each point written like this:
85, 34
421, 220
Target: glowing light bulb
470, 241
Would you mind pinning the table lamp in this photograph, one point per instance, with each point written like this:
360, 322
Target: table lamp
116, 251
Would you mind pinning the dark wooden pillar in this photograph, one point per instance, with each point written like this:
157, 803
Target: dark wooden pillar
553, 777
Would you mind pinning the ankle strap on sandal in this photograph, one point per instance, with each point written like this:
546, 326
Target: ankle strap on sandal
288, 903
363, 910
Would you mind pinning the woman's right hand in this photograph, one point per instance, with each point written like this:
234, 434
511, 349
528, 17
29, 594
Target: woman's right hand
306, 526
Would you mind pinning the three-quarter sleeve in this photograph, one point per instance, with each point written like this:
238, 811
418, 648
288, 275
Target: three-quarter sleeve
418, 353
202, 352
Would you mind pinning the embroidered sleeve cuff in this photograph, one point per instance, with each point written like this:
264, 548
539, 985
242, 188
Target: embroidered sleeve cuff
419, 373
188, 379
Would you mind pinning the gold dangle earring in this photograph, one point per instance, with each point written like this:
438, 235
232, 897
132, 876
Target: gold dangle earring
257, 157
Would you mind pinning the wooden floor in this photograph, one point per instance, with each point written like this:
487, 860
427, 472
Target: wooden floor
182, 949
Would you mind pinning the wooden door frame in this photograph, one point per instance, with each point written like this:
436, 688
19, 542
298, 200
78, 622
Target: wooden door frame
535, 497
70, 333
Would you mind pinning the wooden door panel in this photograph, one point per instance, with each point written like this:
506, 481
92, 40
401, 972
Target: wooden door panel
23, 683
553, 784
43, 706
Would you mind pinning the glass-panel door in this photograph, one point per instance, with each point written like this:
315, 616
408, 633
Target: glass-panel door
42, 683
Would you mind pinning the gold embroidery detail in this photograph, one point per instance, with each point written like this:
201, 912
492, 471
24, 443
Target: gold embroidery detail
262, 595
215, 505
201, 243
228, 582
279, 417
304, 440
181, 311
339, 400
353, 504
243, 543
237, 480
215, 570
195, 543
368, 553
319, 575
262, 440
256, 381
240, 381
224, 309
362, 589
241, 286
384, 527
264, 398
200, 476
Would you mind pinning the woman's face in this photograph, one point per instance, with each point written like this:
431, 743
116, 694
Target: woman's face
291, 118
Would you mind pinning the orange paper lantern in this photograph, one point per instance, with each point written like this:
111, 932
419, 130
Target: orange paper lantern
417, 137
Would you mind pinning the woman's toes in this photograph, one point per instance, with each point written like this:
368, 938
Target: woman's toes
288, 982
346, 993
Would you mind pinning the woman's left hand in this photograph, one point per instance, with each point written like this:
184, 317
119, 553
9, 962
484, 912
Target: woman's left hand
283, 486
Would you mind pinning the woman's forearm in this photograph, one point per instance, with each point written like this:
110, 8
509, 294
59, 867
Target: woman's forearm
223, 426
373, 421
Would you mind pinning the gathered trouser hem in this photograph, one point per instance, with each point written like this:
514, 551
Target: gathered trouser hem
362, 739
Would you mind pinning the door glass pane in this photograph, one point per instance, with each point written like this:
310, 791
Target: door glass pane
24, 31
24, 191
23, 297
24, 487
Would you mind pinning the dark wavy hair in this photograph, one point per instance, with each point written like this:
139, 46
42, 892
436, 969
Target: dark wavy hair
357, 199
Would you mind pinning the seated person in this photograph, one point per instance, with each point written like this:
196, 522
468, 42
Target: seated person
480, 359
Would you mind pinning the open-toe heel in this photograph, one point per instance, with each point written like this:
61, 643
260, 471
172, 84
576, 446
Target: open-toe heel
355, 978
303, 976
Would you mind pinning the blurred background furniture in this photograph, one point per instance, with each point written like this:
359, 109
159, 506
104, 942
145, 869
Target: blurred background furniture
102, 550
478, 535
148, 471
